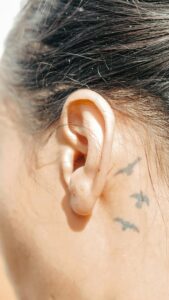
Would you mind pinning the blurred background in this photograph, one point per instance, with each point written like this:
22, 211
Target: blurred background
8, 11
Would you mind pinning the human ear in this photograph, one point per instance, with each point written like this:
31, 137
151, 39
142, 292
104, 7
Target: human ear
87, 126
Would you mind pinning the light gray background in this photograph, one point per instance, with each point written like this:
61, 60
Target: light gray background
8, 11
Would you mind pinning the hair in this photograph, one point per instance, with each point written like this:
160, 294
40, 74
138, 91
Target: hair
118, 48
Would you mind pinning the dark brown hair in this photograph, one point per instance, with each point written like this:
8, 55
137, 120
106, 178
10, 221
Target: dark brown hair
118, 48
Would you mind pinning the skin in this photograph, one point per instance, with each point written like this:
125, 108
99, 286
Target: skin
67, 216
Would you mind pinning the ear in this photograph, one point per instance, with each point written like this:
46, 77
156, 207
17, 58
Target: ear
87, 123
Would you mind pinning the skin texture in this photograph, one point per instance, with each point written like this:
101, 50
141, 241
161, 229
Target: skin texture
7, 291
72, 225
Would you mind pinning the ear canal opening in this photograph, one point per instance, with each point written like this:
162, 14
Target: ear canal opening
79, 161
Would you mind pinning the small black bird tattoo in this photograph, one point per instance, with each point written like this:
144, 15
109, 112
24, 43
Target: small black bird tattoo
141, 199
126, 225
129, 169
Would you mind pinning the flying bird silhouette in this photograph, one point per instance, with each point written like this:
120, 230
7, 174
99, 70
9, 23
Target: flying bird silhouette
129, 169
126, 225
141, 199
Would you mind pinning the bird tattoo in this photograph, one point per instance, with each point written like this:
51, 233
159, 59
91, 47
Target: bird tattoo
126, 225
141, 199
129, 169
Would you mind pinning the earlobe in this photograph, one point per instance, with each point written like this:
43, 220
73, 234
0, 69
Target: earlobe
88, 126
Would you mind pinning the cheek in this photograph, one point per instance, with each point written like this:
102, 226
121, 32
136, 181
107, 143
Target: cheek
11, 168
33, 260
46, 249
